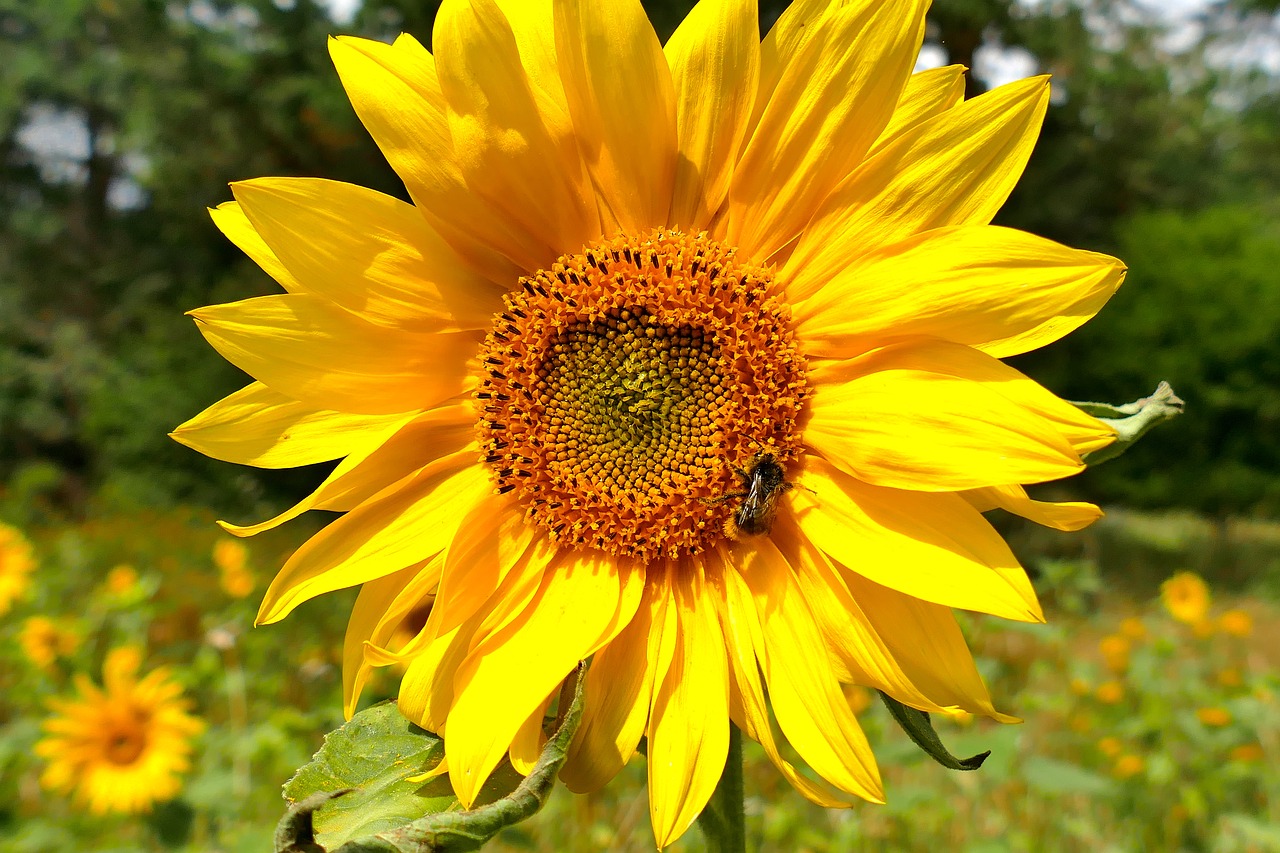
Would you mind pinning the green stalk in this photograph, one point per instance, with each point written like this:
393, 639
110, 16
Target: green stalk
723, 822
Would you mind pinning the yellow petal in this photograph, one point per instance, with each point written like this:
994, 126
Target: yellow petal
370, 253
382, 459
619, 690
811, 709
926, 640
491, 538
1060, 515
956, 168
426, 690
232, 222
256, 426
507, 673
857, 648
929, 415
927, 93
381, 536
621, 100
369, 610
513, 143
396, 94
689, 721
312, 351
934, 546
715, 59
743, 636
832, 100
1002, 291
526, 746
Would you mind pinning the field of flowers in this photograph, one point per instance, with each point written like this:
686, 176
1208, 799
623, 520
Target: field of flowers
139, 710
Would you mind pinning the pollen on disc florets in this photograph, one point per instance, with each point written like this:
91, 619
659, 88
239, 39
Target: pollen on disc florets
621, 387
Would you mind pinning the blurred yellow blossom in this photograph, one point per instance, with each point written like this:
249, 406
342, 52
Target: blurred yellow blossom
122, 580
1247, 752
1080, 686
1214, 717
1133, 628
231, 558
1186, 597
121, 747
1110, 746
1236, 623
1230, 677
44, 640
859, 698
1129, 765
17, 560
1110, 692
1115, 653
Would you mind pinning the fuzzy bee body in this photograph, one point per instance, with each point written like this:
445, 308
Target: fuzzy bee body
764, 482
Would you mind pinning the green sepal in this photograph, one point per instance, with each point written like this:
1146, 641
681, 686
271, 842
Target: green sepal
1131, 421
373, 764
920, 729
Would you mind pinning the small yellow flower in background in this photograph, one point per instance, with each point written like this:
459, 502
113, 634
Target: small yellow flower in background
44, 640
121, 580
231, 558
1230, 677
1133, 628
1110, 746
1081, 686
1110, 692
122, 747
1203, 629
17, 561
1186, 597
1127, 766
635, 280
1214, 717
1237, 623
1247, 752
1115, 653
859, 697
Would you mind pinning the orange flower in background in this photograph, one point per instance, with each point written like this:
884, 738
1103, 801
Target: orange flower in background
1133, 628
1186, 597
121, 747
1110, 692
1110, 746
44, 640
1247, 752
1115, 653
121, 581
1128, 766
17, 561
1230, 677
231, 558
684, 358
1237, 623
1214, 717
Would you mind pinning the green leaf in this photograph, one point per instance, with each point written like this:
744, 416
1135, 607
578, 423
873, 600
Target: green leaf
1132, 420
358, 794
919, 728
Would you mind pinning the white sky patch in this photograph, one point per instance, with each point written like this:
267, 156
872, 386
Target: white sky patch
931, 56
996, 64
341, 12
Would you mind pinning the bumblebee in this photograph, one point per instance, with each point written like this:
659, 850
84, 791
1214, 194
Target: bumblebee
764, 482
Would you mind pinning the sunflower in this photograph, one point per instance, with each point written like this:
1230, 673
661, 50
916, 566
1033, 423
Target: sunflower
17, 561
122, 748
1186, 597
44, 640
683, 358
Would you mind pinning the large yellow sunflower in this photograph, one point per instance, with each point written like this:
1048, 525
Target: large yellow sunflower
122, 748
17, 561
684, 357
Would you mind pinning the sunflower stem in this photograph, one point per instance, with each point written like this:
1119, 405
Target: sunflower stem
723, 821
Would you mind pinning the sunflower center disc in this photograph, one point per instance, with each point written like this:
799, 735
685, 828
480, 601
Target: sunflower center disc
622, 387
126, 738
